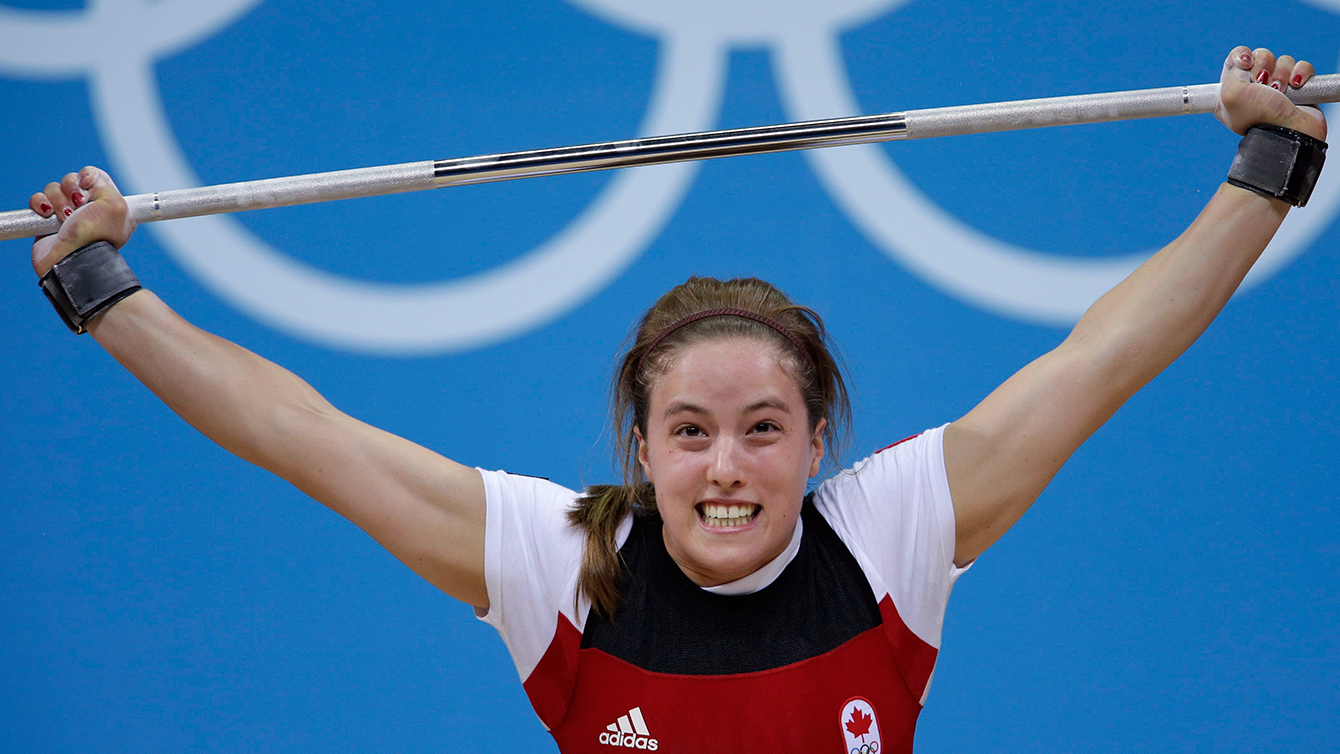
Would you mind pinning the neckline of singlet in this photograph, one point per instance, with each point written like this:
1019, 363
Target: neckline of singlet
765, 575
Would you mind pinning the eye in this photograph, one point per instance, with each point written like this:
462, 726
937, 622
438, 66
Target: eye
765, 427
689, 430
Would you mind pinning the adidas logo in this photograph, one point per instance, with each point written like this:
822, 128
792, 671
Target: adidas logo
630, 732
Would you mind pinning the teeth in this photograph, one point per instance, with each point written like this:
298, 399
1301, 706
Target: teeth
717, 515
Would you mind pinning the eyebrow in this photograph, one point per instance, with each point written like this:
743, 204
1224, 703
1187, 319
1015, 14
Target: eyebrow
693, 408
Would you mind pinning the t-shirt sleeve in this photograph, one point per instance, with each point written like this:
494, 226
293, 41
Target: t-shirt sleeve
894, 512
531, 560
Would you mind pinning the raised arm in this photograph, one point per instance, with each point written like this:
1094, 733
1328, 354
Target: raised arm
426, 510
1003, 453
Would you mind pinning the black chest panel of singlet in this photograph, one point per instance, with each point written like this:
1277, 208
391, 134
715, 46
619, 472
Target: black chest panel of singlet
667, 624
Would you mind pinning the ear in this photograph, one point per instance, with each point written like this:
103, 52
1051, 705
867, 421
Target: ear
817, 442
642, 457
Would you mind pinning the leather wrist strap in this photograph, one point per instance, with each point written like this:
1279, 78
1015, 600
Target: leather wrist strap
87, 283
1278, 162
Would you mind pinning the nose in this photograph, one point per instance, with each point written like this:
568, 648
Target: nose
725, 470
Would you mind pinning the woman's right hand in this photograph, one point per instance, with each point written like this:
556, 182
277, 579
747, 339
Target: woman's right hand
89, 207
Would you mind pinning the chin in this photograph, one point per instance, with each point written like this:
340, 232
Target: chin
725, 549
727, 560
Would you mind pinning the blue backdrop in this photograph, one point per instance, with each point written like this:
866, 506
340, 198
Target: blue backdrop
1175, 588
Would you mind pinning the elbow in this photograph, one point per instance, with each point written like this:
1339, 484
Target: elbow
1116, 362
287, 432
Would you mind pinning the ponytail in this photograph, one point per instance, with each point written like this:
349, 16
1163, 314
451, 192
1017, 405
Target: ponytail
599, 512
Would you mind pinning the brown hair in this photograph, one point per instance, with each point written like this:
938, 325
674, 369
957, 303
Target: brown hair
661, 334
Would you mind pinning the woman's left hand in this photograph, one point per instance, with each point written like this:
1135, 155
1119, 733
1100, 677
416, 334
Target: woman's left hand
90, 208
1251, 91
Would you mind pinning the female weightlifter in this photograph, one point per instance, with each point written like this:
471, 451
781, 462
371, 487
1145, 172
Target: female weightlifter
708, 603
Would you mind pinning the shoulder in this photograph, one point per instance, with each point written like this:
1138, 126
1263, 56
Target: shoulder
913, 465
518, 499
511, 484
894, 513
529, 544
532, 551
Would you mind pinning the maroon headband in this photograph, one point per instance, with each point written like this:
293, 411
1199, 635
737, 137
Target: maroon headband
731, 312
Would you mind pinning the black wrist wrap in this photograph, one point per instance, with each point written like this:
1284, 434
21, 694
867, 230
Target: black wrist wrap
87, 283
1278, 162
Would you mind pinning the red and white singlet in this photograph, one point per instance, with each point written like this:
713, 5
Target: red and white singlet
829, 648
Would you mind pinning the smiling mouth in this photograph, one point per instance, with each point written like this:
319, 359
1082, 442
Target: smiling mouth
721, 515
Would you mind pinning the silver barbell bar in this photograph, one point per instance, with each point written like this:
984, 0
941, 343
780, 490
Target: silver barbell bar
655, 150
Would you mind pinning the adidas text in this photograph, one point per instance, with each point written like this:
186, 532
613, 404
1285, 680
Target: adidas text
629, 732
629, 740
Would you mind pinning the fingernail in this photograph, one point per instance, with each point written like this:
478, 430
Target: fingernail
67, 212
77, 199
1298, 81
44, 208
1262, 77
1276, 86
1245, 57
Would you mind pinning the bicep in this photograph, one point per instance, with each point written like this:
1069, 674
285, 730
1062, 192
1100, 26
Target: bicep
1003, 453
425, 509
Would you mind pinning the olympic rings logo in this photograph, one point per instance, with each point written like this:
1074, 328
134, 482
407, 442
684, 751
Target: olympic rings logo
696, 37
870, 748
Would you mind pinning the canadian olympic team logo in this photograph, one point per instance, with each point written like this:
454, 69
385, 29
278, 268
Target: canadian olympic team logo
860, 726
695, 38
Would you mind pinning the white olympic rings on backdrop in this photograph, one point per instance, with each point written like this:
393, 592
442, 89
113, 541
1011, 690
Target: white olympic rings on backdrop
601, 242
353, 314
895, 215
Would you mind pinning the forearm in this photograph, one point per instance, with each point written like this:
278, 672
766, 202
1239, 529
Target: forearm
246, 404
1143, 324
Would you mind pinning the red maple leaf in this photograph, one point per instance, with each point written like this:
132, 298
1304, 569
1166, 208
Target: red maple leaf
859, 725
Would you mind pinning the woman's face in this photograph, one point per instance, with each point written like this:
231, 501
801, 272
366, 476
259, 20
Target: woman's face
729, 448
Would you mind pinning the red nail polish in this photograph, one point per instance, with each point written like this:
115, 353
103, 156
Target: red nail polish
1297, 81
1262, 77
1276, 86
67, 211
77, 199
44, 208
1246, 57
